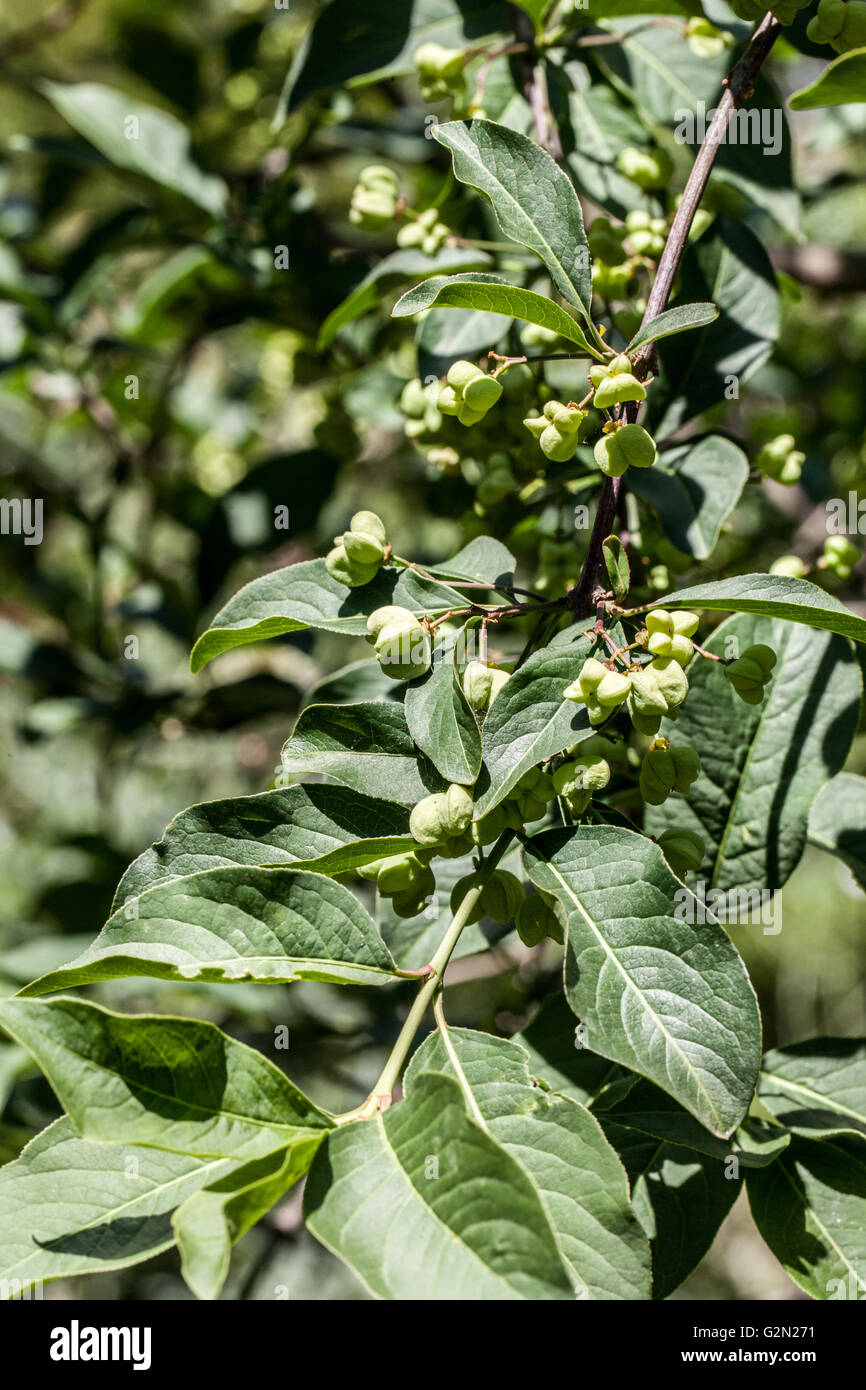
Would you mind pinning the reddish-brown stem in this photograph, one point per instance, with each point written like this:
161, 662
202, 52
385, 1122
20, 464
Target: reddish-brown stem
738, 86
535, 85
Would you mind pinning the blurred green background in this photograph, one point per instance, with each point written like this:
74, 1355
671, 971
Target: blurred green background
161, 392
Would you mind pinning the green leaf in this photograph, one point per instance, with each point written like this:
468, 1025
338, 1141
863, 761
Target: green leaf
678, 320
167, 1083
305, 595
440, 721
367, 747
70, 1207
557, 1057
392, 270
694, 487
139, 137
817, 1088
655, 67
774, 596
681, 1199
810, 1207
665, 997
837, 822
761, 765
729, 267
533, 199
465, 1221
445, 336
616, 563
271, 926
601, 128
209, 1222
655, 1115
562, 1149
536, 9
842, 81
360, 41
476, 290
330, 828
484, 560
529, 720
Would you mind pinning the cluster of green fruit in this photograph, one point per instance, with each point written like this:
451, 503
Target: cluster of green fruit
442, 826
359, 553
440, 71
840, 556
779, 459
426, 232
374, 199
705, 40
647, 168
500, 458
840, 23
617, 251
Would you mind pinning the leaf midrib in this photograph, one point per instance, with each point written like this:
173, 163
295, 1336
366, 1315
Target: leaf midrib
613, 956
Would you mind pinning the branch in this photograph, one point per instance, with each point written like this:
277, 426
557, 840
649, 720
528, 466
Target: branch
739, 85
535, 85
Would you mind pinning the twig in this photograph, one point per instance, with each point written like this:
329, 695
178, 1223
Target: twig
535, 85
739, 85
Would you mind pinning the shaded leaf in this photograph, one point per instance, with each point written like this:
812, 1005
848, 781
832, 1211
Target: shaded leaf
167, 1083
665, 997
271, 926
471, 1227
762, 765
366, 746
694, 487
156, 145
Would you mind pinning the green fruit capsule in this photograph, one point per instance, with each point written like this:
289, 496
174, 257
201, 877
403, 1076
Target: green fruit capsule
670, 634
535, 919
500, 896
631, 446
687, 767
362, 550
345, 570
683, 849
491, 826
576, 781
751, 671
481, 684
482, 393
399, 872
370, 526
413, 900
389, 613
665, 770
645, 168
618, 388
433, 60
403, 649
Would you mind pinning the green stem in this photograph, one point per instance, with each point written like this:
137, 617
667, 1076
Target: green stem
380, 1096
